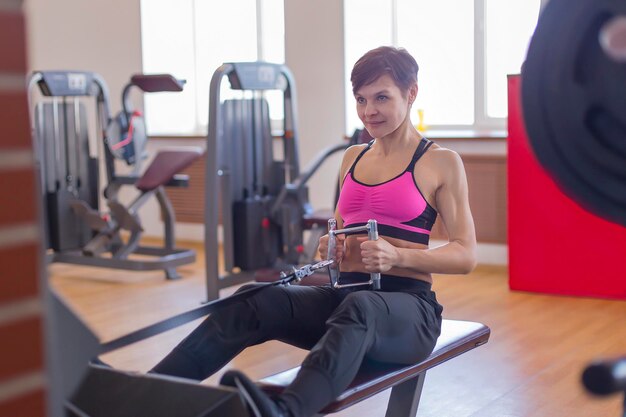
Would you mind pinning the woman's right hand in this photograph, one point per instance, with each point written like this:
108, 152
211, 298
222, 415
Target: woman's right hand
339, 248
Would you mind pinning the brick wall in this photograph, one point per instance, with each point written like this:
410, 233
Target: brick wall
22, 387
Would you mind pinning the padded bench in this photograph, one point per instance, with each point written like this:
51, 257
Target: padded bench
457, 337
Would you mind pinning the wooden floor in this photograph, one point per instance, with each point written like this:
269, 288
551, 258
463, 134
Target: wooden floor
530, 367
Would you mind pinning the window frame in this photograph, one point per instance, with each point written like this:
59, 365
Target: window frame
200, 128
483, 123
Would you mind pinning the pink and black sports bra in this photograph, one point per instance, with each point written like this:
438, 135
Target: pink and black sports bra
397, 205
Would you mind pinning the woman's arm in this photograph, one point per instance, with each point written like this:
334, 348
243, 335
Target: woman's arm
458, 256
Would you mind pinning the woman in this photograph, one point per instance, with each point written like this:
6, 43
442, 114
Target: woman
400, 179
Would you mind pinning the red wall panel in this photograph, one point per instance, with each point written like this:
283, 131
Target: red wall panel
555, 246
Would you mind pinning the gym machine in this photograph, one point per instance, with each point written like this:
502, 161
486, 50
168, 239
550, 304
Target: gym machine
574, 101
77, 232
253, 179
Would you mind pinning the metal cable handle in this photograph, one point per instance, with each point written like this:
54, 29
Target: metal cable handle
371, 228
286, 278
333, 270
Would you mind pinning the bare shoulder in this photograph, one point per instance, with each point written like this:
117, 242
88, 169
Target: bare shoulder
442, 167
354, 150
441, 154
443, 159
350, 156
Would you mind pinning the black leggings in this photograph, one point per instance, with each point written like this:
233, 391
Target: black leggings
398, 324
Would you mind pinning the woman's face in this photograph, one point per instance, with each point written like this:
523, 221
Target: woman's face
382, 107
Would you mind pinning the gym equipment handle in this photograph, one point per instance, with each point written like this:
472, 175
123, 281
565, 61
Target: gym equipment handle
295, 275
371, 228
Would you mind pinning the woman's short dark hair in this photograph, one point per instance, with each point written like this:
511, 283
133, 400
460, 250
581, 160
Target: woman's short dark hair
395, 62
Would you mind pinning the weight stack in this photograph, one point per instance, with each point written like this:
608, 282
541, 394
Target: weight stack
66, 231
256, 237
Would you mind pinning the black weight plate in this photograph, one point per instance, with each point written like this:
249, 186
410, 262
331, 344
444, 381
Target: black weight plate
574, 102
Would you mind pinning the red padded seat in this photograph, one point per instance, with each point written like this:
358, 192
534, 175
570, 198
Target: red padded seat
165, 165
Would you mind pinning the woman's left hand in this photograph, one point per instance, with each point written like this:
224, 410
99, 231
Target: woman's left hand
378, 255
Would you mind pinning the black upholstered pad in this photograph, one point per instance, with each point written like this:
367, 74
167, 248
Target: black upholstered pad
457, 337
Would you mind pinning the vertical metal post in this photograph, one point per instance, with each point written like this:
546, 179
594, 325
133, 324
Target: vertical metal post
372, 234
211, 243
405, 397
333, 270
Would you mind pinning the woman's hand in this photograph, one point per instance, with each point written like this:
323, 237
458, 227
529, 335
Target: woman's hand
378, 255
339, 248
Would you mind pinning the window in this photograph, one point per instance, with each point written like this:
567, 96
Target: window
190, 39
464, 49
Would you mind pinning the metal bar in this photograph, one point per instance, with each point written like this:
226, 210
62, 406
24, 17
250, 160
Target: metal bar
169, 217
212, 180
173, 258
77, 171
372, 234
290, 142
57, 142
371, 228
333, 270
405, 397
352, 230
